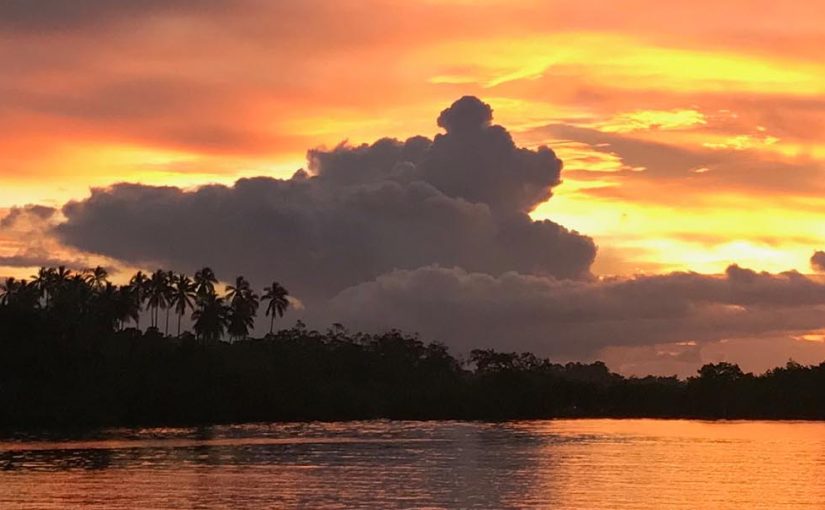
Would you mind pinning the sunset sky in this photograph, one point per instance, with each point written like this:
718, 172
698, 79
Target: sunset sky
692, 133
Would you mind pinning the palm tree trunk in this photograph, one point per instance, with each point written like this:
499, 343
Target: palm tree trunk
179, 316
166, 330
271, 323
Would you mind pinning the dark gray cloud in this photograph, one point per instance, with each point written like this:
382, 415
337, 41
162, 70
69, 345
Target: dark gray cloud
818, 261
481, 163
474, 161
460, 199
48, 15
580, 318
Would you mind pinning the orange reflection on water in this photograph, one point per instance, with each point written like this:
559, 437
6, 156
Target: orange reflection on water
565, 464
681, 464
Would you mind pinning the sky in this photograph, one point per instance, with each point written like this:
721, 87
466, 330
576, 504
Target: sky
683, 179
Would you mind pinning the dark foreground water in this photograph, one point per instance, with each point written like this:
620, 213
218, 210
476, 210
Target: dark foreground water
577, 464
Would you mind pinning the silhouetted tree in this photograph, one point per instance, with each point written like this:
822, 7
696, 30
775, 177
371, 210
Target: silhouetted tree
61, 276
210, 318
7, 290
243, 305
205, 281
96, 277
44, 281
21, 294
127, 305
278, 302
158, 293
716, 389
140, 286
169, 291
183, 296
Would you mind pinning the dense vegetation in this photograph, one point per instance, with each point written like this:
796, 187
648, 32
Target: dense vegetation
72, 353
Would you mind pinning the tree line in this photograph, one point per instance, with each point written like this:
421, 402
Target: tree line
90, 297
73, 354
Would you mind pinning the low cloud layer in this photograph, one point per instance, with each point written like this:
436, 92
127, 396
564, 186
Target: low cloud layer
580, 318
460, 199
720, 168
33, 211
25, 230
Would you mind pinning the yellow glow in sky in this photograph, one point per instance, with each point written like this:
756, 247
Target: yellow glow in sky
624, 62
732, 104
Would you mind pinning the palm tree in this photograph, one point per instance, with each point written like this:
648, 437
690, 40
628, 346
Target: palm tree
240, 319
62, 275
97, 277
60, 279
19, 293
9, 288
77, 293
239, 290
139, 284
205, 281
243, 305
169, 290
183, 295
44, 282
157, 294
105, 303
277, 295
210, 318
127, 305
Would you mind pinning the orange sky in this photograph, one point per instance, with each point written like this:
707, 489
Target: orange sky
729, 94
692, 132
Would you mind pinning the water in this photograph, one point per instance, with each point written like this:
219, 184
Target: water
575, 464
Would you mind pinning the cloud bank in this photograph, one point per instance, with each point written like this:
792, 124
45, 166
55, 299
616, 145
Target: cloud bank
434, 236
16, 214
576, 318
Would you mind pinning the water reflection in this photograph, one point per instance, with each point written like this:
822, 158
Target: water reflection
55, 460
560, 464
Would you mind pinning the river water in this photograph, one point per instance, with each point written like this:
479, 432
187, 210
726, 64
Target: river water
563, 464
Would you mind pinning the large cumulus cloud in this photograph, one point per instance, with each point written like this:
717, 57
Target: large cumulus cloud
460, 199
577, 318
474, 160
